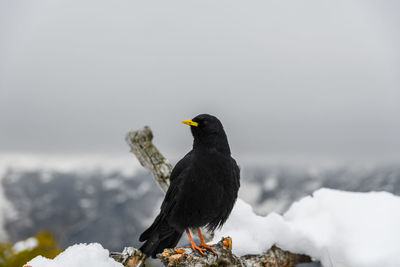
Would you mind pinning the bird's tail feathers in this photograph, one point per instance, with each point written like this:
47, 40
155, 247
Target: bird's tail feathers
158, 236
146, 234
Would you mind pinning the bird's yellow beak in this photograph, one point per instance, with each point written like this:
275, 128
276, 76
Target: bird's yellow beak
190, 122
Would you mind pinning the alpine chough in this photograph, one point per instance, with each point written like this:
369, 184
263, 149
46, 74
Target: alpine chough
203, 189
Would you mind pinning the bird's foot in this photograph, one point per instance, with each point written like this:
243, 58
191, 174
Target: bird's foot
205, 246
196, 247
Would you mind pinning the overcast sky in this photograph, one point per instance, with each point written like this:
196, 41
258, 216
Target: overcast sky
285, 77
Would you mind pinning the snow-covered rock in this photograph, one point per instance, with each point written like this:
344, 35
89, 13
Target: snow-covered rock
336, 227
88, 255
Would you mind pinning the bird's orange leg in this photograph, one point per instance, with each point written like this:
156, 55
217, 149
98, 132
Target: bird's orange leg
194, 246
203, 243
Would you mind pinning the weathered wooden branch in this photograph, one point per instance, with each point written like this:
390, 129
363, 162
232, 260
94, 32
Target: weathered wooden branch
148, 155
274, 257
130, 257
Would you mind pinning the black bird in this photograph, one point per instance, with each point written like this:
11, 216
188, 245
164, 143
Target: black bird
203, 189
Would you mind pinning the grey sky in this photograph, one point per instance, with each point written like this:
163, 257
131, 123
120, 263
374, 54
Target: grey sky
293, 77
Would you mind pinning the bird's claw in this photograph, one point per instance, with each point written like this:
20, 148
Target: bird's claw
201, 247
205, 246
196, 247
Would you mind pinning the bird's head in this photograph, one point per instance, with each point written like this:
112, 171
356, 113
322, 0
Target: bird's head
207, 130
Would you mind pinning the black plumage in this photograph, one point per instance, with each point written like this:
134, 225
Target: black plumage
203, 189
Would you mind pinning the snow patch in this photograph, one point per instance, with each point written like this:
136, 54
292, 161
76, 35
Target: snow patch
88, 255
251, 192
112, 184
336, 227
27, 244
271, 183
126, 164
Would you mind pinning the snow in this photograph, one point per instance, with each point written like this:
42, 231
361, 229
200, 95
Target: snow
252, 192
26, 244
336, 227
47, 163
270, 183
88, 255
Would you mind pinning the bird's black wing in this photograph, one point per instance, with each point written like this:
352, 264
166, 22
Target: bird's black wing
236, 174
169, 200
231, 191
175, 182
180, 166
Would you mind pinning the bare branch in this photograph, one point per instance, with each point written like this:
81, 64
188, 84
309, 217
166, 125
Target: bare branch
130, 257
274, 257
148, 155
